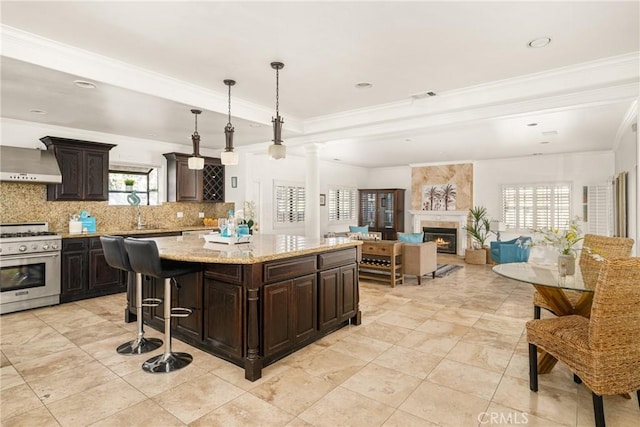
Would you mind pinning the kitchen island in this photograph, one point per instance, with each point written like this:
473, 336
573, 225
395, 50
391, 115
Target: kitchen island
257, 302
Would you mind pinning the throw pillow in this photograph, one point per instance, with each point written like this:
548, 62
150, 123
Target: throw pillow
411, 237
364, 229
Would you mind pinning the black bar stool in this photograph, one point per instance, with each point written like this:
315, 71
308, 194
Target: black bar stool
116, 256
145, 259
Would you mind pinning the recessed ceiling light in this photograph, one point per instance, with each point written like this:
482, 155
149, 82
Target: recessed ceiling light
37, 111
544, 142
423, 95
408, 140
363, 85
539, 42
336, 159
550, 132
84, 84
532, 124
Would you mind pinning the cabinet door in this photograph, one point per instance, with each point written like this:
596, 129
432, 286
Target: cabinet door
102, 277
212, 182
74, 275
96, 175
189, 295
305, 311
188, 182
71, 166
223, 325
329, 294
349, 292
368, 209
277, 317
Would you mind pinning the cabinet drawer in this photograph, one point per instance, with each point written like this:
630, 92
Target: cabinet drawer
377, 249
337, 258
289, 268
71, 245
230, 273
94, 243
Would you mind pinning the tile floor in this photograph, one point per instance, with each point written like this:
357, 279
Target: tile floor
449, 353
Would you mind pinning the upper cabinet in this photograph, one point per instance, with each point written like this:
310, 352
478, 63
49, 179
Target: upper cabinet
382, 210
84, 166
189, 185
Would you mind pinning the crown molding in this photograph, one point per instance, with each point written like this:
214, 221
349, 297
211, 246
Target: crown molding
48, 53
625, 125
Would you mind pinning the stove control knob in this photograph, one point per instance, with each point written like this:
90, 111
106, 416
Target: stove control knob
22, 248
54, 246
45, 246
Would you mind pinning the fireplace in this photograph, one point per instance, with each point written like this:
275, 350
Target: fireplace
445, 238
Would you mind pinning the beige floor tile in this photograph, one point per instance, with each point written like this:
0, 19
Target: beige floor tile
490, 358
408, 361
499, 415
297, 422
105, 347
444, 406
66, 325
385, 385
501, 324
91, 333
65, 383
235, 375
559, 378
490, 339
17, 400
404, 320
554, 405
153, 384
195, 398
618, 411
123, 365
458, 316
144, 414
465, 378
293, 391
442, 329
34, 344
404, 419
430, 344
53, 363
246, 410
332, 365
9, 377
342, 407
40, 417
363, 348
383, 332
95, 403
3, 360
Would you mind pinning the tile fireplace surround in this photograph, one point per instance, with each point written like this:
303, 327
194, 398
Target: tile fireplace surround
452, 219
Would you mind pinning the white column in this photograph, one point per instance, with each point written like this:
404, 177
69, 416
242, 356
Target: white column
312, 192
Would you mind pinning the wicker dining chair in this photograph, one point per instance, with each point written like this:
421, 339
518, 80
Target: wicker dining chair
604, 246
603, 351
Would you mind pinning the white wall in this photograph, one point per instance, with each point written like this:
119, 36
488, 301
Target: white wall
626, 160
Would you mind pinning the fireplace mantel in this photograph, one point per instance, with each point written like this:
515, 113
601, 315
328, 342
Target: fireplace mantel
459, 217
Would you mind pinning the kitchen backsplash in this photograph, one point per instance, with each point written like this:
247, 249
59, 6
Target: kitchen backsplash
21, 202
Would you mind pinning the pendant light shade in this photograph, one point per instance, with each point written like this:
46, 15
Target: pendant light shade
277, 150
228, 156
195, 161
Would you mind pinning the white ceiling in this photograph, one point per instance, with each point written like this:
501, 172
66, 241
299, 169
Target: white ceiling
154, 61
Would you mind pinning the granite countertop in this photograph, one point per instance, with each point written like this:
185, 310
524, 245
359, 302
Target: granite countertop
263, 247
135, 231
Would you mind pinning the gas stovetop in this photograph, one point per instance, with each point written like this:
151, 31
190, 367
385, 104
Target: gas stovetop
23, 238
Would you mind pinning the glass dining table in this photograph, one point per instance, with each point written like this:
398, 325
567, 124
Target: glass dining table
551, 286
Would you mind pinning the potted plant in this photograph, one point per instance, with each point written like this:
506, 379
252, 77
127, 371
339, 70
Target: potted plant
128, 184
564, 241
478, 230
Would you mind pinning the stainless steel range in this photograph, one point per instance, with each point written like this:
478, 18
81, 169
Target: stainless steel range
29, 266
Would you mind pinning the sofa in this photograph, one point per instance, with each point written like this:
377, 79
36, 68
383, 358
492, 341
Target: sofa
515, 250
419, 259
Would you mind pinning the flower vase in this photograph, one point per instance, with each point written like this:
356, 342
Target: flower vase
566, 264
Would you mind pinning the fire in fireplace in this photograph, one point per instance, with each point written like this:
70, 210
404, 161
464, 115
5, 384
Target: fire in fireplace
446, 238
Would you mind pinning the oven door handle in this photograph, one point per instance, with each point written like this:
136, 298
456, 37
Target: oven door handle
30, 256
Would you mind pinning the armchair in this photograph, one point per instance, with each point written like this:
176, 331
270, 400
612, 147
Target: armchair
516, 250
419, 259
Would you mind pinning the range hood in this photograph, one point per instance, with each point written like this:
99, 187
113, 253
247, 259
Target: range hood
28, 165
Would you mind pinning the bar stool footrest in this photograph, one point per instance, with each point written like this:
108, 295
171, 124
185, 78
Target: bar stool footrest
151, 302
181, 312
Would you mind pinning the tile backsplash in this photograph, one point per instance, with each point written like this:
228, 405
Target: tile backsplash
20, 202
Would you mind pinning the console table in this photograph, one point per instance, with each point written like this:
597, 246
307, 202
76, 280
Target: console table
382, 260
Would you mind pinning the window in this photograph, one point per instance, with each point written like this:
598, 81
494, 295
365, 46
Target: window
527, 206
289, 203
342, 204
598, 209
145, 186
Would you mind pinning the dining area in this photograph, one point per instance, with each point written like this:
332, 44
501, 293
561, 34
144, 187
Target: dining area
593, 320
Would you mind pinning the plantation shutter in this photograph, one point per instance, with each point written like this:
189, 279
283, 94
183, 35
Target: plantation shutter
599, 216
342, 204
530, 206
289, 203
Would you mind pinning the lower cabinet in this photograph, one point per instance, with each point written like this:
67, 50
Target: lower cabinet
85, 272
338, 295
290, 314
223, 323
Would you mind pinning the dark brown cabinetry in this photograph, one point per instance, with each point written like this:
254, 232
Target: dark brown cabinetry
85, 272
382, 210
190, 185
338, 296
84, 166
223, 323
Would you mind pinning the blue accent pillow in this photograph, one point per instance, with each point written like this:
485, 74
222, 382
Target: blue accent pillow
411, 237
363, 229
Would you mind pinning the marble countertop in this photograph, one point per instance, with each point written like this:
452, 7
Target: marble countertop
263, 247
135, 231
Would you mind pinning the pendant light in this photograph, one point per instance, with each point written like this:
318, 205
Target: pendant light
277, 150
195, 161
228, 157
